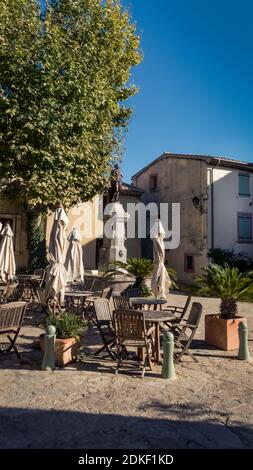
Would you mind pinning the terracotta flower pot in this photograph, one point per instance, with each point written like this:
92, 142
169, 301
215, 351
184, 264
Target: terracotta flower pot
221, 332
65, 350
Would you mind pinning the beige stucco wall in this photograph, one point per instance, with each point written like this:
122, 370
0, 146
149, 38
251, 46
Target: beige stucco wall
178, 181
15, 212
84, 217
88, 217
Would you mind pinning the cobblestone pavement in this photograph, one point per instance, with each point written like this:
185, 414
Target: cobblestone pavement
86, 406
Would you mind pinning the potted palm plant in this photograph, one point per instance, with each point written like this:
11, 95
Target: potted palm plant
69, 328
231, 286
140, 269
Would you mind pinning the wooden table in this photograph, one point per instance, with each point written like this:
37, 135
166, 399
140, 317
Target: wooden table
156, 318
141, 302
75, 300
27, 284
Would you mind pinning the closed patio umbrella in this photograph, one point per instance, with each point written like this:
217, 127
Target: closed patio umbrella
74, 258
7, 260
56, 278
160, 282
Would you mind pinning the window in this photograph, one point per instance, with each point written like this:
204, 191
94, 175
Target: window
153, 182
244, 224
244, 180
188, 263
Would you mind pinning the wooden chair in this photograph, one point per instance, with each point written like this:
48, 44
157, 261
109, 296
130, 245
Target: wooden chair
89, 310
130, 330
89, 283
181, 311
11, 319
121, 302
50, 306
73, 286
104, 323
9, 293
185, 331
42, 273
106, 293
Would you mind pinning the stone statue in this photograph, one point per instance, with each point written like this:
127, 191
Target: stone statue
116, 184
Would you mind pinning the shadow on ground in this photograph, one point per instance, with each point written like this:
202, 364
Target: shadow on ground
33, 428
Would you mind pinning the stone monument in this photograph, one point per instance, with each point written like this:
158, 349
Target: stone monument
115, 219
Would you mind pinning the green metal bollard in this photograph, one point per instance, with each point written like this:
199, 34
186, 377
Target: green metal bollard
243, 352
48, 362
168, 371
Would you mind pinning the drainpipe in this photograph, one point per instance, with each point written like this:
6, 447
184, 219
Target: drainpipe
212, 200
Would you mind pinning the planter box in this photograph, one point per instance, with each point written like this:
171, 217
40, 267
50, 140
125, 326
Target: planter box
221, 332
65, 350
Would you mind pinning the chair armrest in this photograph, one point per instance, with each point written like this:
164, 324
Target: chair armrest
184, 324
170, 314
174, 307
150, 330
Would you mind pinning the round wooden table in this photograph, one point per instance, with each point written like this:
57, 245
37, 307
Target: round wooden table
145, 303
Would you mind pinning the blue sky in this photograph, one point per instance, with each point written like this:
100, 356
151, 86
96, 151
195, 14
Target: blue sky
196, 80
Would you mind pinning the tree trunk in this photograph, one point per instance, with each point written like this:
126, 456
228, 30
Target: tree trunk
36, 238
228, 308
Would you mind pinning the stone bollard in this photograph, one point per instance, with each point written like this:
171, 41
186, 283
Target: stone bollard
48, 362
243, 352
168, 371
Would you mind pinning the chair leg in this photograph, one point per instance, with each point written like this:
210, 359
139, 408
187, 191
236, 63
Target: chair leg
108, 349
12, 346
185, 350
144, 367
119, 359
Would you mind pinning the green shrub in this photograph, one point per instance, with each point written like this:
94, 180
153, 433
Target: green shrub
227, 283
241, 260
68, 325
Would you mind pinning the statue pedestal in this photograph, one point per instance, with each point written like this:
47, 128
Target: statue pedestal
113, 248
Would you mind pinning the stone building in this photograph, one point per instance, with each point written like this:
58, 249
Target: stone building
216, 203
87, 217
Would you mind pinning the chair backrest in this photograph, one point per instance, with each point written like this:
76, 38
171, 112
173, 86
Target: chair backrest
39, 272
106, 293
41, 295
195, 314
11, 288
42, 273
11, 315
24, 279
187, 303
76, 286
121, 302
133, 292
102, 310
129, 324
89, 283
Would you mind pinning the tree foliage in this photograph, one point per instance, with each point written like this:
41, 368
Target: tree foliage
64, 78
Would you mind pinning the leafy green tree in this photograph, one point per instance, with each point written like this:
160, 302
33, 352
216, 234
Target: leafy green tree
64, 78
